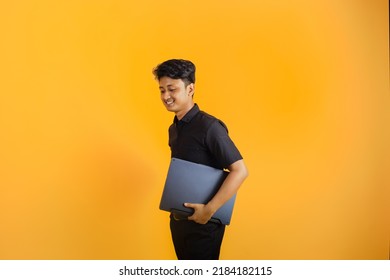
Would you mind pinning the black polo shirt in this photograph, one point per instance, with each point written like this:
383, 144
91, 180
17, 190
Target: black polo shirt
202, 138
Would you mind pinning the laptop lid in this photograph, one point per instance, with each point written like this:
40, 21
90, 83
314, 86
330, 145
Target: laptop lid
194, 183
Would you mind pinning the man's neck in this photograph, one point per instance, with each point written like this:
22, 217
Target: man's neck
182, 113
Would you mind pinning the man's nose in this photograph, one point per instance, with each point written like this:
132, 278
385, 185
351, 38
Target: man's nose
165, 95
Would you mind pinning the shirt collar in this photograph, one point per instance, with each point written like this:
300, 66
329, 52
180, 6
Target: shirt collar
189, 115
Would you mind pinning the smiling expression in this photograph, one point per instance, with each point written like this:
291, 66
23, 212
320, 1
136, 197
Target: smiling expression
176, 96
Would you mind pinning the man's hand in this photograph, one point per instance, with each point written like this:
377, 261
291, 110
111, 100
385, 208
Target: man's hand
202, 213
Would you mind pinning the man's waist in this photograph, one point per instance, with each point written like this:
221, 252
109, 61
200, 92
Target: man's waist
178, 216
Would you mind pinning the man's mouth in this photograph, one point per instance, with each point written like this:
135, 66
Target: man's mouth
169, 102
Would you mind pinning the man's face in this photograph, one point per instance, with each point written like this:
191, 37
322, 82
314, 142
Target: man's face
176, 96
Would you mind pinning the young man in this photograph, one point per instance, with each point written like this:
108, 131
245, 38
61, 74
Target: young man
201, 138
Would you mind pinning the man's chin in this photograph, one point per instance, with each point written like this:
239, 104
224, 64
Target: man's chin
170, 109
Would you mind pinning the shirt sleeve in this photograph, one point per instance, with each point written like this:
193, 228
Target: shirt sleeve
220, 144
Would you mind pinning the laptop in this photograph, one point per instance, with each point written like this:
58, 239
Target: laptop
194, 183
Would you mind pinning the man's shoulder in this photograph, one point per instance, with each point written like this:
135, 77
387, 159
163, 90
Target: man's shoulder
206, 115
205, 118
209, 120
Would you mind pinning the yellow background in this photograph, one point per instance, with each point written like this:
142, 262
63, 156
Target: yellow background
302, 85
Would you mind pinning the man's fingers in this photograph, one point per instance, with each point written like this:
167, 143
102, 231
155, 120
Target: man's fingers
197, 216
190, 205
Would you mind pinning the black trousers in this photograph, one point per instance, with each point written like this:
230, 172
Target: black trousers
194, 241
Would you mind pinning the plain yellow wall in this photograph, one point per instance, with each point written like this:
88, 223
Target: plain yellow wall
302, 85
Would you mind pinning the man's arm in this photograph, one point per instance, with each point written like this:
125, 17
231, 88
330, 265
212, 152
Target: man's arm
204, 212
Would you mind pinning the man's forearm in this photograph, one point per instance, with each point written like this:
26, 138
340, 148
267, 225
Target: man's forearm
238, 173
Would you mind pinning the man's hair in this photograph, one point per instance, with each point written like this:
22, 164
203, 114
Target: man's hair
176, 69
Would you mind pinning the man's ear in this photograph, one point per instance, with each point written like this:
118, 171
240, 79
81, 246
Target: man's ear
191, 89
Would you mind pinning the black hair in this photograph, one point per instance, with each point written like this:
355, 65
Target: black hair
176, 69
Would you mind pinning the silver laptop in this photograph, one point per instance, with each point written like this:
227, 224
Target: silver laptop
194, 183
